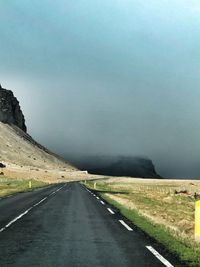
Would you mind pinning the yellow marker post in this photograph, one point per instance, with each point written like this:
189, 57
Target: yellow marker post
30, 184
197, 221
95, 185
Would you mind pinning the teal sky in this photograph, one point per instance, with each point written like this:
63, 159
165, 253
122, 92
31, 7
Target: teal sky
108, 77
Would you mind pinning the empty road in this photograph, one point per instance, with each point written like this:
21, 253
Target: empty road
67, 225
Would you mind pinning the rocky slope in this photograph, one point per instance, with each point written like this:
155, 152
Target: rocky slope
25, 158
17, 147
21, 155
10, 111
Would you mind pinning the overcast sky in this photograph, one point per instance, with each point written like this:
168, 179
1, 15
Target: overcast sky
108, 77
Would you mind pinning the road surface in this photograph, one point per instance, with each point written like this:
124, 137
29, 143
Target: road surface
67, 225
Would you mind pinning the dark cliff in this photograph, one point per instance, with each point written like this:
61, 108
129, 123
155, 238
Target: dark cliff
118, 166
10, 111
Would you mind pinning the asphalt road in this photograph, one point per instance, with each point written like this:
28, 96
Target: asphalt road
66, 225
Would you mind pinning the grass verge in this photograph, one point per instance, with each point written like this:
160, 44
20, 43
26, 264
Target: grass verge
10, 186
185, 251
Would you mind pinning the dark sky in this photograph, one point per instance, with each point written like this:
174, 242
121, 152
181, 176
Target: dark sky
99, 77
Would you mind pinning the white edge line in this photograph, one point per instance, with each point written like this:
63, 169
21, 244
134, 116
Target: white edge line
57, 190
27, 211
40, 202
17, 218
125, 225
97, 197
160, 257
112, 212
103, 203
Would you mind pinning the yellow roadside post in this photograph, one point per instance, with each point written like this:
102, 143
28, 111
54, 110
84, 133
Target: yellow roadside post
95, 185
30, 184
197, 221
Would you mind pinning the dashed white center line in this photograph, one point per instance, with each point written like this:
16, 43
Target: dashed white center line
103, 203
160, 257
125, 225
97, 197
112, 212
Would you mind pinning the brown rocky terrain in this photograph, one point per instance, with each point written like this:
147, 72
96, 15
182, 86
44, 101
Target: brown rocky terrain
22, 156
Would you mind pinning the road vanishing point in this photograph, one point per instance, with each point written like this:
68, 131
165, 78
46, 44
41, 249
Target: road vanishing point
69, 225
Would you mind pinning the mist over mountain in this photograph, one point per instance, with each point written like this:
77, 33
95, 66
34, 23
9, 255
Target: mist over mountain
11, 114
117, 166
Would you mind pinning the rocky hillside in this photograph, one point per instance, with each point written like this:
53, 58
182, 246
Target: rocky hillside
20, 155
17, 147
10, 111
118, 166
25, 158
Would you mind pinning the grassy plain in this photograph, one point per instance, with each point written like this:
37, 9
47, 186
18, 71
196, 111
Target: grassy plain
164, 209
10, 186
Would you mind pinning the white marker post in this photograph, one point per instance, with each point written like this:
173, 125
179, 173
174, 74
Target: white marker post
197, 221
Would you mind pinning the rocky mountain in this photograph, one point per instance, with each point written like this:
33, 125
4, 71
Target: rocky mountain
10, 111
23, 157
118, 166
20, 155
